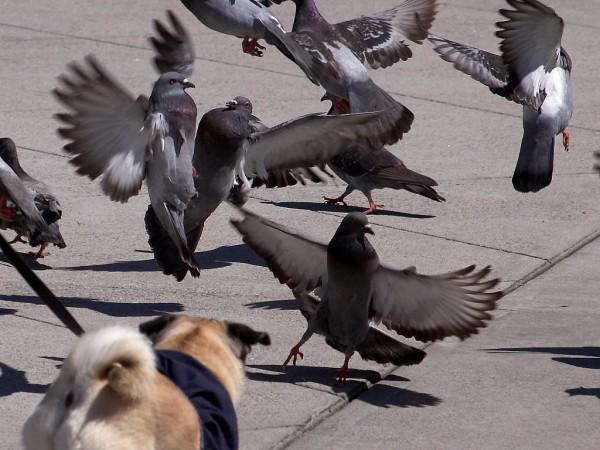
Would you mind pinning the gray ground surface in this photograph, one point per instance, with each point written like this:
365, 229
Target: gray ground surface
530, 380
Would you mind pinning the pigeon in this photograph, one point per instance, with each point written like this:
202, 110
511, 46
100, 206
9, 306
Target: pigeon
228, 146
26, 205
339, 50
128, 140
356, 290
251, 20
533, 70
366, 169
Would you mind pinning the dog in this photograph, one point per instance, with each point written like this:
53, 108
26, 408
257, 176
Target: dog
171, 385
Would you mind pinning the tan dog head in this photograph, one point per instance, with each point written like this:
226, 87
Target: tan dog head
220, 346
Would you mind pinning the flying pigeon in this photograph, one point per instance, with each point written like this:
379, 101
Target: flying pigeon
356, 290
26, 205
533, 70
338, 52
365, 168
229, 147
251, 20
128, 140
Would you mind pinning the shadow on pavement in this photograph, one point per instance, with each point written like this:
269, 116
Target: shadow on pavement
584, 357
322, 206
115, 309
385, 395
217, 258
279, 305
13, 381
581, 391
33, 263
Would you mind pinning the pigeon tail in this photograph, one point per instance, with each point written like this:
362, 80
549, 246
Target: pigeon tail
383, 349
366, 96
536, 159
165, 251
425, 191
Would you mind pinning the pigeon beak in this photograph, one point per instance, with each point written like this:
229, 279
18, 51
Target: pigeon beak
231, 103
188, 84
368, 229
326, 97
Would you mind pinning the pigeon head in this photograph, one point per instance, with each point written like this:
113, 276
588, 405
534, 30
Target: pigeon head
349, 242
240, 103
169, 96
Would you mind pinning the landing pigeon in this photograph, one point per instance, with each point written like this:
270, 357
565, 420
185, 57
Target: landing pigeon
533, 70
26, 205
356, 289
228, 145
128, 140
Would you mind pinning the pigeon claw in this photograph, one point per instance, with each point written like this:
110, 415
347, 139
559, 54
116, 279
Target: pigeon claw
252, 47
41, 253
335, 201
372, 208
566, 140
294, 353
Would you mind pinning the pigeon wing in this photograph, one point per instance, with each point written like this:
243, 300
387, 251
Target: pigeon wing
310, 140
106, 127
530, 43
378, 39
429, 308
294, 260
174, 49
13, 187
480, 65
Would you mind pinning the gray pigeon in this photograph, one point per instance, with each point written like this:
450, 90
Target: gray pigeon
533, 70
339, 50
356, 289
366, 169
128, 140
26, 205
229, 146
251, 20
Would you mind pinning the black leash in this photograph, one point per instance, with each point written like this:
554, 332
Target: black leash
41, 289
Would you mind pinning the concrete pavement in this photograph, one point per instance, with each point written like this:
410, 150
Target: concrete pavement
464, 395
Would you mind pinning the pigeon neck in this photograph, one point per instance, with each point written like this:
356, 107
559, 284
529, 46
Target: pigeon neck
307, 15
12, 160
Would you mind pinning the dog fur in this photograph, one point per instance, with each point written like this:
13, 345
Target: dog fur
109, 394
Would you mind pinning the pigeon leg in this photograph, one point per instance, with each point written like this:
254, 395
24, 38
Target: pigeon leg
342, 374
252, 47
6, 212
372, 205
41, 253
295, 351
566, 139
340, 199
18, 238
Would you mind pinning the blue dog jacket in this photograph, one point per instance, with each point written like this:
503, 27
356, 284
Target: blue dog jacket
215, 410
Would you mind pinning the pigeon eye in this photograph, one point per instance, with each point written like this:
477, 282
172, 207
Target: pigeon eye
69, 399
172, 81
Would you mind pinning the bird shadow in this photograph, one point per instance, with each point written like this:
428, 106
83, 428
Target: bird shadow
581, 391
383, 395
217, 258
114, 309
278, 305
583, 357
13, 381
34, 264
326, 207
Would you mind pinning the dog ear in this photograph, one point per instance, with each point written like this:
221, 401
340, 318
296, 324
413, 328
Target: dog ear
246, 337
153, 328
